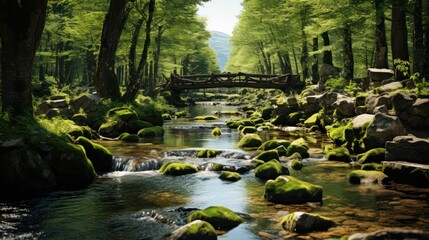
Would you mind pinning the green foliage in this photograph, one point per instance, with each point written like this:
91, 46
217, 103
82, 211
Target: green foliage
402, 66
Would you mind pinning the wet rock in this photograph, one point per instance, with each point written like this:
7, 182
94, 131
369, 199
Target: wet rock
391, 233
406, 172
314, 99
360, 121
207, 153
379, 74
383, 128
391, 86
230, 176
298, 146
178, 169
408, 148
339, 154
112, 129
129, 138
402, 102
375, 100
60, 103
273, 144
80, 119
296, 164
268, 155
289, 190
216, 132
156, 131
271, 170
302, 222
247, 130
194, 231
219, 217
87, 102
345, 106
100, 157
135, 126
420, 108
376, 155
362, 177
381, 109
250, 141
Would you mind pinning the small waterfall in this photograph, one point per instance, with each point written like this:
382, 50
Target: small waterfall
129, 164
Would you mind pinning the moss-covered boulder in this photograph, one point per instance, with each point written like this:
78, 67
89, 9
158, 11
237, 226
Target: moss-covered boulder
298, 146
230, 176
271, 170
362, 176
135, 126
234, 124
268, 155
372, 166
178, 169
289, 190
296, 164
195, 230
156, 131
129, 138
250, 141
257, 120
256, 162
206, 117
166, 117
266, 112
207, 153
219, 217
312, 121
376, 155
302, 222
100, 157
216, 132
71, 166
112, 128
122, 113
148, 113
248, 129
272, 144
339, 154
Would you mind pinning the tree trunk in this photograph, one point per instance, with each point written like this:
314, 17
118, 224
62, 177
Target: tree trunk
418, 47
90, 62
105, 79
399, 35
348, 53
304, 54
381, 60
426, 23
157, 53
315, 64
21, 26
327, 55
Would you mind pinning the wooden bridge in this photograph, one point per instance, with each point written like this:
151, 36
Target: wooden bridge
228, 80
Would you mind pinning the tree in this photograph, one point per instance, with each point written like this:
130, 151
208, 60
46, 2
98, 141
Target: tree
399, 34
21, 27
418, 43
380, 36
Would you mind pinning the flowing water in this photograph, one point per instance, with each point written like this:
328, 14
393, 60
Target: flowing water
137, 202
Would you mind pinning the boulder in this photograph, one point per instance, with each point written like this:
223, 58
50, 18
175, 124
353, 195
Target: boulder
314, 99
230, 176
156, 131
60, 103
268, 155
250, 141
420, 108
298, 146
383, 128
123, 114
43, 108
207, 153
360, 121
271, 170
328, 99
391, 233
266, 112
177, 168
402, 102
313, 120
289, 190
195, 230
206, 118
391, 86
406, 172
100, 157
339, 154
362, 176
129, 138
135, 126
216, 132
376, 155
345, 106
112, 129
87, 102
381, 109
408, 148
273, 144
219, 217
302, 222
296, 164
248, 129
380, 74
375, 100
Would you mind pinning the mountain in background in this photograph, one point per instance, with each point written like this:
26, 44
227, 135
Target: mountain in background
219, 41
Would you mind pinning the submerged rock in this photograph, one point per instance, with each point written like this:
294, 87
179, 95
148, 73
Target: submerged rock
219, 217
207, 153
376, 155
406, 172
391, 233
195, 230
289, 190
296, 164
408, 148
362, 176
339, 154
156, 131
302, 222
268, 155
230, 176
271, 170
216, 132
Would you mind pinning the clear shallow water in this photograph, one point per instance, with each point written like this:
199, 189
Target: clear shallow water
143, 205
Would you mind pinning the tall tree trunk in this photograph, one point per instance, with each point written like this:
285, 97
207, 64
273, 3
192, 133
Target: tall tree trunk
157, 53
304, 53
327, 55
295, 58
348, 53
399, 36
381, 60
426, 23
315, 64
90, 62
418, 46
105, 79
21, 26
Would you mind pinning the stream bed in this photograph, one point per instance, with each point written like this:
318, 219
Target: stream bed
137, 202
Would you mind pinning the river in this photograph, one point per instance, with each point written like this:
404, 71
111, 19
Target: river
136, 202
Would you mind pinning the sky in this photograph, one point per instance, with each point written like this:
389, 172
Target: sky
221, 14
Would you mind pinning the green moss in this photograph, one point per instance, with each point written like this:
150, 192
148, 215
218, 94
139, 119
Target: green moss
250, 141
100, 157
230, 176
156, 131
296, 164
268, 155
197, 230
166, 116
298, 146
217, 167
362, 176
302, 222
182, 114
207, 153
376, 155
257, 162
111, 129
122, 113
207, 118
136, 125
216, 132
219, 217
313, 120
289, 190
271, 170
248, 129
295, 156
257, 120
339, 154
131, 138
178, 169
272, 144
372, 166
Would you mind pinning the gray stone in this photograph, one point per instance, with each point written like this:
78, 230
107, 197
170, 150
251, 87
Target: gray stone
60, 103
314, 99
391, 86
43, 108
402, 102
328, 99
405, 172
327, 71
391, 233
360, 101
408, 148
361, 120
420, 108
302, 222
345, 106
88, 102
381, 109
383, 128
375, 100
291, 101
379, 74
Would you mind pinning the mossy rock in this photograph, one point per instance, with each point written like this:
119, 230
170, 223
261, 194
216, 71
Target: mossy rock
100, 157
257, 162
112, 129
230, 176
268, 155
372, 166
289, 190
166, 117
182, 114
123, 114
156, 131
266, 112
376, 155
135, 126
302, 222
80, 119
207, 118
250, 141
216, 132
71, 166
219, 217
178, 169
298, 146
272, 144
207, 153
271, 170
248, 129
295, 156
129, 138
281, 150
257, 121
339, 154
296, 164
313, 120
362, 176
195, 230
148, 113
